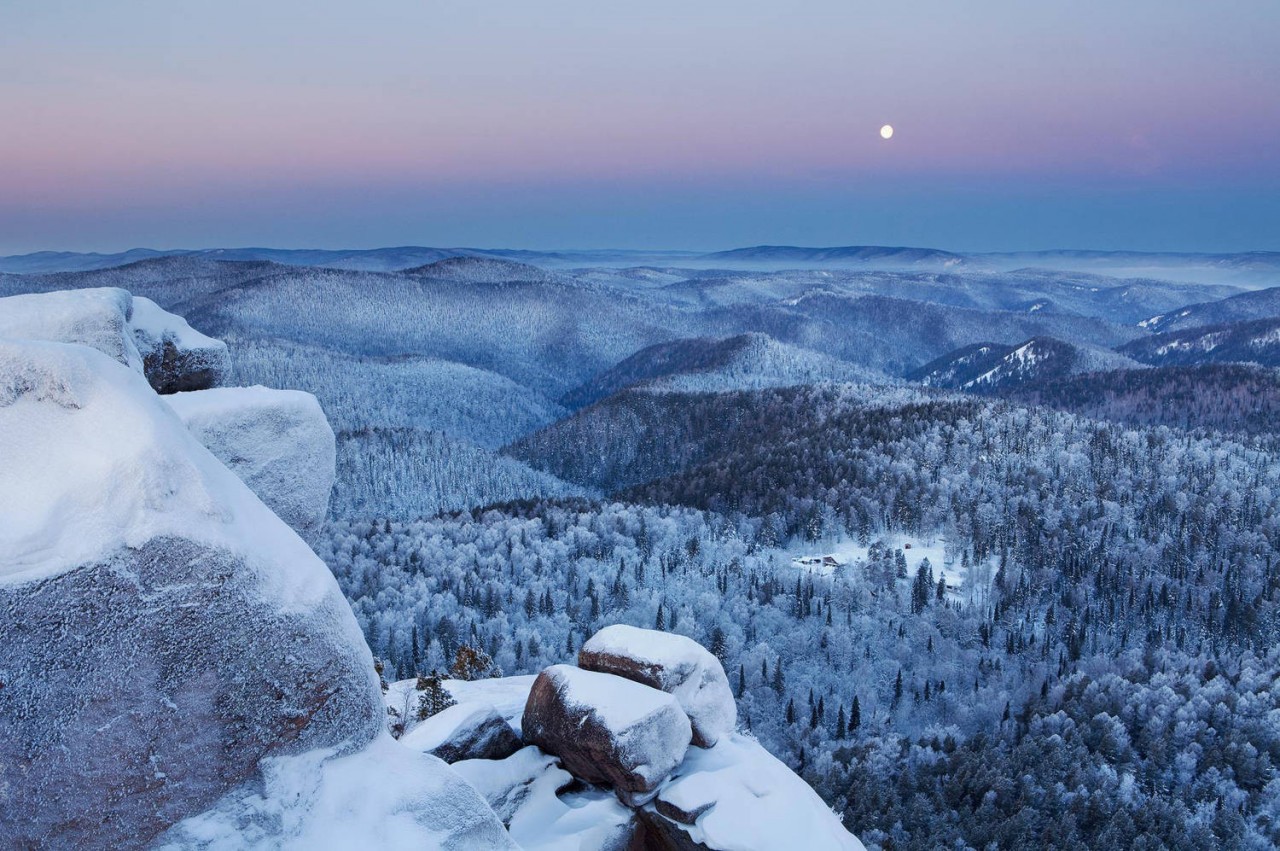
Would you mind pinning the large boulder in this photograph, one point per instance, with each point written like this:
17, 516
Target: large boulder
464, 731
277, 441
670, 663
166, 637
175, 356
607, 730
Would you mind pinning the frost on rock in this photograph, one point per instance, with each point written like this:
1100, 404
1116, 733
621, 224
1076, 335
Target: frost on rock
176, 357
164, 631
464, 731
98, 318
545, 808
277, 441
737, 797
670, 663
607, 730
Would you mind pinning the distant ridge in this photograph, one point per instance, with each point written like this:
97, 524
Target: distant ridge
854, 253
1251, 269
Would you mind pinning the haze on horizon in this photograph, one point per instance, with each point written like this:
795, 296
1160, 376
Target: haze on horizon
1145, 125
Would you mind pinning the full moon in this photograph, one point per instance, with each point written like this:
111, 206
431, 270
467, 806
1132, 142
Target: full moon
886, 132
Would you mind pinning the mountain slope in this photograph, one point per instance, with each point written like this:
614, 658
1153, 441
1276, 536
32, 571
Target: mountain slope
1257, 342
1259, 304
1222, 397
993, 368
747, 361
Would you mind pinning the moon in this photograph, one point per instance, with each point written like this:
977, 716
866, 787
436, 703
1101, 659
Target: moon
886, 132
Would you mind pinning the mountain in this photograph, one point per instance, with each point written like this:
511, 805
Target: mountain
1259, 304
896, 335
1257, 341
993, 368
1247, 269
366, 260
747, 361
480, 270
1222, 397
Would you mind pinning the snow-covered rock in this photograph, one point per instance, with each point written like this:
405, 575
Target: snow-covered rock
164, 632
464, 731
545, 808
277, 441
671, 663
607, 730
737, 797
175, 356
98, 318
383, 797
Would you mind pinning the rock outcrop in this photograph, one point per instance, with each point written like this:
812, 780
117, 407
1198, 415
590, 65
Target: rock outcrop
277, 441
598, 732
129, 329
607, 730
175, 357
464, 731
670, 663
98, 318
174, 654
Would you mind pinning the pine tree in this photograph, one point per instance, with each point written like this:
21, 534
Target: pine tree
719, 644
791, 711
660, 622
855, 714
742, 681
434, 696
897, 690
841, 730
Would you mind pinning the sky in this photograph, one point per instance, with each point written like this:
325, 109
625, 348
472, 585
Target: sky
1139, 124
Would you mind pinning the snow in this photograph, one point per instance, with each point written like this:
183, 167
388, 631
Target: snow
152, 322
849, 553
681, 666
98, 318
620, 705
96, 462
277, 441
445, 725
508, 695
176, 356
604, 726
522, 790
468, 730
751, 801
385, 796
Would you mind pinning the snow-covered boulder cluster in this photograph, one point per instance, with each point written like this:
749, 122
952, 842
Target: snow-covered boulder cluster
609, 762
671, 663
178, 666
277, 441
